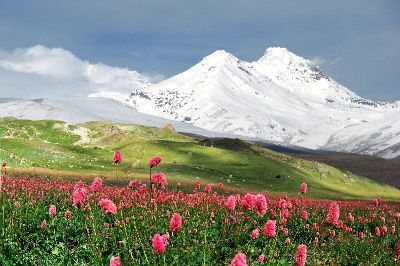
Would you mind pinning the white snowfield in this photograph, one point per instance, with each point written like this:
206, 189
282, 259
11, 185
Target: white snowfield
281, 98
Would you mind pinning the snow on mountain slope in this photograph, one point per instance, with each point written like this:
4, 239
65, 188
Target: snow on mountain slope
85, 109
281, 97
380, 137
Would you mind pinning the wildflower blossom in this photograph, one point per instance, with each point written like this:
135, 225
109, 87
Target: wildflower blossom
175, 223
333, 213
377, 231
301, 256
52, 210
115, 261
231, 203
117, 159
159, 243
270, 229
303, 188
97, 185
44, 224
207, 188
67, 215
155, 161
79, 195
108, 206
304, 215
255, 233
397, 253
239, 260
160, 179
248, 202
261, 205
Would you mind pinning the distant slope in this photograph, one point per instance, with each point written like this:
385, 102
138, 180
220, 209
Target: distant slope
86, 149
85, 109
381, 170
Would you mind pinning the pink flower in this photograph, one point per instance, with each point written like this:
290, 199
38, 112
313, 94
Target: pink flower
377, 231
231, 203
285, 231
301, 256
117, 159
155, 161
239, 260
44, 224
220, 185
160, 179
97, 184
207, 188
87, 208
304, 215
108, 206
67, 215
398, 250
270, 229
2, 177
377, 202
303, 188
333, 214
261, 259
52, 210
282, 204
392, 229
115, 261
175, 223
384, 230
255, 233
351, 218
248, 202
79, 195
286, 213
132, 184
159, 243
261, 205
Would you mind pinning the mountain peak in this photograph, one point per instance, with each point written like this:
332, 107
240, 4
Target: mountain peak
283, 56
219, 56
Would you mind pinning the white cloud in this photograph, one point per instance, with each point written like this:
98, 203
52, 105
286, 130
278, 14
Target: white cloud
39, 71
319, 61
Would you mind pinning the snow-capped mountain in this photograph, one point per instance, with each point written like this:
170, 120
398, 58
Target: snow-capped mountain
281, 97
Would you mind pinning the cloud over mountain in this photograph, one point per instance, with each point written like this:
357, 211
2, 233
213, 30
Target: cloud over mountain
40, 71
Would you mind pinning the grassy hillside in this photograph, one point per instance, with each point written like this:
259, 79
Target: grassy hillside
86, 150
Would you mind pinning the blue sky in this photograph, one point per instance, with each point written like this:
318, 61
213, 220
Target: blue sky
355, 42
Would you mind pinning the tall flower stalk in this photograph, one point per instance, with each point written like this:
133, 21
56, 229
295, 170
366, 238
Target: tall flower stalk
117, 159
154, 162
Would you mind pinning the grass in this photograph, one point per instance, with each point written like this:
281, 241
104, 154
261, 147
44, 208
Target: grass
49, 147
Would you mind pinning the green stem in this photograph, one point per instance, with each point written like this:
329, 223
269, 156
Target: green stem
205, 237
141, 243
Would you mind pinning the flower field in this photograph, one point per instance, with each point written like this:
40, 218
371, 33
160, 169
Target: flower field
51, 221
